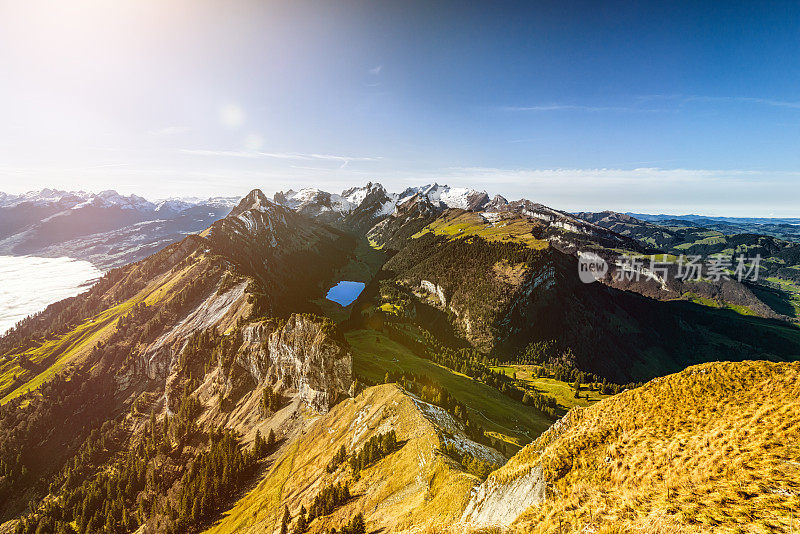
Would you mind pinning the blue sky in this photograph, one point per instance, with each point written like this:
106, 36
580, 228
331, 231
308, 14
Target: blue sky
631, 106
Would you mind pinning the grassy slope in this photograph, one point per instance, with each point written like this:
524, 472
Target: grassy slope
464, 224
785, 300
259, 505
561, 391
714, 448
374, 354
78, 342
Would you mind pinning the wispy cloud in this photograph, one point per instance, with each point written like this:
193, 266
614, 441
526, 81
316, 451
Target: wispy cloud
744, 100
577, 107
376, 70
254, 154
667, 103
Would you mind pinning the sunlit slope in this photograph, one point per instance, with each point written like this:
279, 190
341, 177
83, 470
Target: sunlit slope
413, 486
492, 227
51, 355
715, 448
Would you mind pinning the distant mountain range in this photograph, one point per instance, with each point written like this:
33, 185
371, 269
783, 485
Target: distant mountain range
107, 229
782, 227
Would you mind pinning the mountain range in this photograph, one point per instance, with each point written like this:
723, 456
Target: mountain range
205, 383
107, 229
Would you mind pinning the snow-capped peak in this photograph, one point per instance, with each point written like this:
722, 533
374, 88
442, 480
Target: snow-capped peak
444, 196
110, 198
357, 195
44, 197
313, 201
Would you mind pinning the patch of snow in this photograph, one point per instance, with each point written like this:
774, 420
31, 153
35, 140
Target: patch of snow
388, 207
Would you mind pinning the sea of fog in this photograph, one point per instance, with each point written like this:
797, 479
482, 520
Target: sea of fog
28, 284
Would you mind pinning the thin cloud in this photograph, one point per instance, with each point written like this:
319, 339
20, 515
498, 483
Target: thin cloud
686, 99
676, 100
376, 70
745, 100
253, 154
575, 107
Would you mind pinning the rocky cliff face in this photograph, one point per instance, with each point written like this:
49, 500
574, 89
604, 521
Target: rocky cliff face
517, 486
495, 504
301, 355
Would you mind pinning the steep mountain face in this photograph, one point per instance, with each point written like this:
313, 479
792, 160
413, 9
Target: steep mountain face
648, 460
443, 196
291, 255
558, 223
315, 203
301, 353
371, 204
409, 217
107, 229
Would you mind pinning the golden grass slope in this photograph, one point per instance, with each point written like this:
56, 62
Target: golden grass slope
413, 486
714, 448
508, 228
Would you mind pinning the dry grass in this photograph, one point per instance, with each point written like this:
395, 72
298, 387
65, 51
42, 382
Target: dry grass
715, 448
508, 228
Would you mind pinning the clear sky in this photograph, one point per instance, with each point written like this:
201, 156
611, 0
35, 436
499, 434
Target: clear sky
633, 106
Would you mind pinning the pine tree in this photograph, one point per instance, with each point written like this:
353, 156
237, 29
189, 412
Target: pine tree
287, 517
259, 446
357, 525
302, 524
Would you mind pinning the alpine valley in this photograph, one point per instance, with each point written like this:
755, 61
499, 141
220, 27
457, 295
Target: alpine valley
476, 384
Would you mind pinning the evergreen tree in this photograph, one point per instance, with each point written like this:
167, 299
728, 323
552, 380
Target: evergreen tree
286, 519
357, 525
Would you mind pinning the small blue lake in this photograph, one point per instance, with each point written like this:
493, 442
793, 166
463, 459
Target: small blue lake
345, 292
